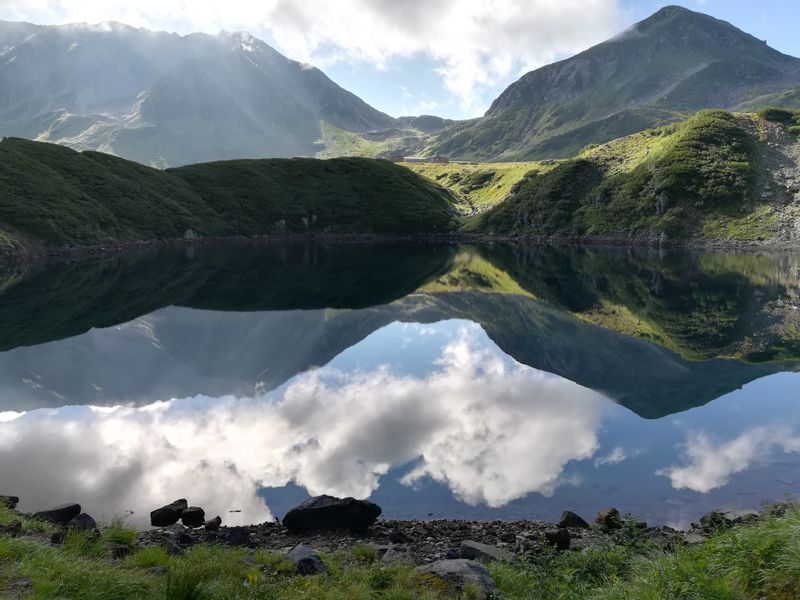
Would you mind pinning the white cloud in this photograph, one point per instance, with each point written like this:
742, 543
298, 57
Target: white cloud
616, 456
475, 43
709, 464
490, 428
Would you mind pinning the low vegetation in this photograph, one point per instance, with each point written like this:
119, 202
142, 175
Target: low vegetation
660, 183
55, 196
757, 560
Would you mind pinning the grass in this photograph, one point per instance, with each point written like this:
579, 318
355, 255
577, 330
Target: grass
759, 560
471, 184
56, 196
659, 183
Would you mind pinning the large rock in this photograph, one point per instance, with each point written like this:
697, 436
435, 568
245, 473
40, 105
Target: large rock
717, 519
213, 524
571, 519
60, 515
9, 501
306, 561
169, 514
559, 538
327, 512
194, 516
608, 518
83, 522
483, 552
459, 573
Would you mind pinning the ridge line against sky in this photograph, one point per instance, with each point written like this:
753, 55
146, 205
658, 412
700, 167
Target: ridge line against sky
445, 57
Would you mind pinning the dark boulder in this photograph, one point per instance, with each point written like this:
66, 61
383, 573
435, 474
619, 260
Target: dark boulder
571, 519
306, 561
327, 512
83, 522
60, 515
9, 501
194, 516
559, 538
169, 514
608, 518
213, 524
717, 519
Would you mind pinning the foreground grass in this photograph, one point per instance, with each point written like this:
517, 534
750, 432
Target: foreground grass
760, 560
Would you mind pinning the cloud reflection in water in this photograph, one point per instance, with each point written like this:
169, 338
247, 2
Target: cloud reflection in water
489, 428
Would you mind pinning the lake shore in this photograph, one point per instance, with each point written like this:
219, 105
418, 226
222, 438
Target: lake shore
38, 254
614, 557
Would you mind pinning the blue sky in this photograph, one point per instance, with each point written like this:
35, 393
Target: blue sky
444, 57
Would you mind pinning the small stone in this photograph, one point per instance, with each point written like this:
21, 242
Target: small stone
559, 538
484, 553
608, 518
306, 561
169, 514
459, 573
60, 515
397, 536
213, 524
9, 501
193, 516
119, 551
394, 557
13, 529
693, 539
238, 536
157, 570
571, 519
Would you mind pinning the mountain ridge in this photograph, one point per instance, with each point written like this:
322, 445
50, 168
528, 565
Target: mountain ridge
674, 62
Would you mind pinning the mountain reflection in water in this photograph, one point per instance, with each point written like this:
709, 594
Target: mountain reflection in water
481, 382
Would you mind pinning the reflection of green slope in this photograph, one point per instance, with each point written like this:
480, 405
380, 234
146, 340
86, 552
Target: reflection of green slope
700, 306
647, 379
68, 299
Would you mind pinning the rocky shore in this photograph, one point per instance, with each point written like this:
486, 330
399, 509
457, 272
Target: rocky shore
453, 550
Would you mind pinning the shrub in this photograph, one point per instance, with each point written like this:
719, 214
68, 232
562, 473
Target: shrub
783, 116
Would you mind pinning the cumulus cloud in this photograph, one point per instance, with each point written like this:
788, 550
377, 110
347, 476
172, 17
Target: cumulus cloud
616, 456
474, 43
709, 464
488, 427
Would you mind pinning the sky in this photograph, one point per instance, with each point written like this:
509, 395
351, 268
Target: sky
445, 57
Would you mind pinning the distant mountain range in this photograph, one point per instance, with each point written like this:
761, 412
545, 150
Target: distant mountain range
673, 63
168, 100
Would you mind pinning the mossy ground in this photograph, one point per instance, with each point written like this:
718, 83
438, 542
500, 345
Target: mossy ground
760, 560
479, 186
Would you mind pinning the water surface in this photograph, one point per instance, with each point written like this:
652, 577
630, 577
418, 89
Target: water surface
439, 380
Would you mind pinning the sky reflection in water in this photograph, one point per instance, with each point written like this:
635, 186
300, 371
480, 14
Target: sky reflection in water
424, 418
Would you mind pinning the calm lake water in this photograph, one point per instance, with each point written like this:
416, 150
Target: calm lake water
441, 381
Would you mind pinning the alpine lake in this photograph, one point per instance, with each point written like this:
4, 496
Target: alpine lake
449, 381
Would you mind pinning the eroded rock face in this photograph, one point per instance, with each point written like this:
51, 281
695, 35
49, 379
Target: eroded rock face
327, 513
169, 514
60, 515
305, 560
459, 573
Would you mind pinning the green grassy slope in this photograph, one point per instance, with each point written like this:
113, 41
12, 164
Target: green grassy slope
51, 195
664, 182
339, 195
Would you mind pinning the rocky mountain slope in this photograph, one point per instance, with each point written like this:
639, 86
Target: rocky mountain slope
165, 99
673, 63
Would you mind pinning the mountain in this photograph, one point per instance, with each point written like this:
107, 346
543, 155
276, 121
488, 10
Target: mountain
675, 62
167, 100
